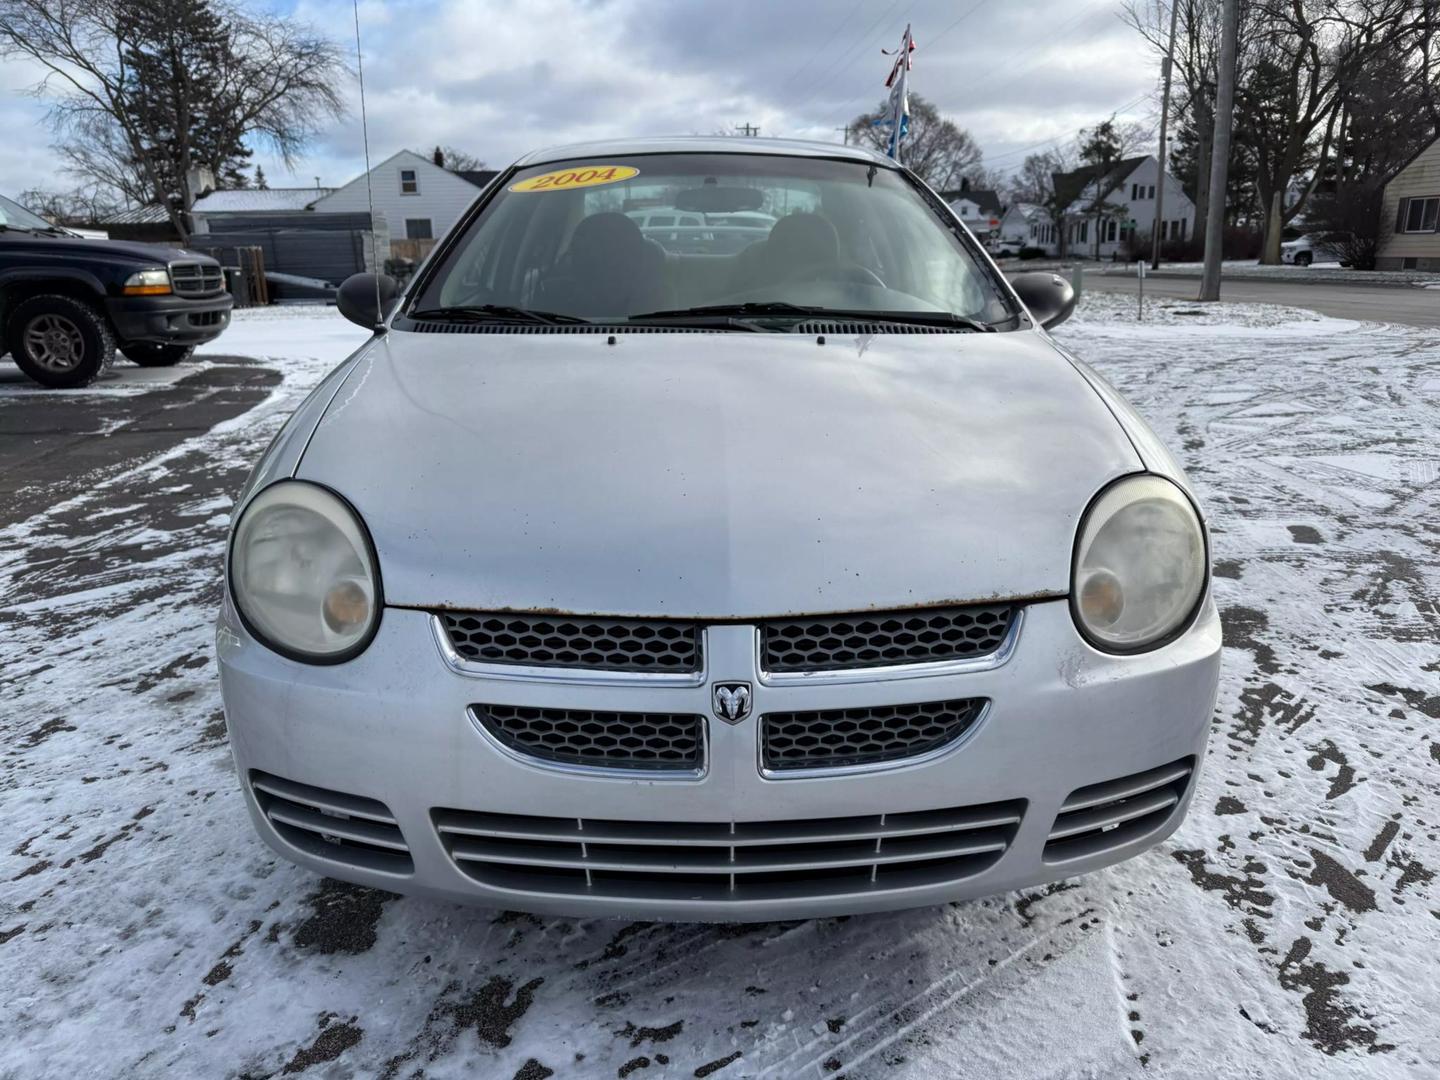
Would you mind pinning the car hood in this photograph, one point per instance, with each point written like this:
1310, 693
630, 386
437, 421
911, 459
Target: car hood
79, 247
717, 475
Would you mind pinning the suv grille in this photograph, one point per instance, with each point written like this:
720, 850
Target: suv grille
927, 635
1105, 816
333, 825
837, 738
575, 642
725, 861
196, 279
612, 740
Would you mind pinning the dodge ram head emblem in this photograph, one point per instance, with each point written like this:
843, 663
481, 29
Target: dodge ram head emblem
731, 701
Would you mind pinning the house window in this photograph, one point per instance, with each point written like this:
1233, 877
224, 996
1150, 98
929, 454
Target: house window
418, 228
1112, 230
1419, 215
409, 182
1152, 192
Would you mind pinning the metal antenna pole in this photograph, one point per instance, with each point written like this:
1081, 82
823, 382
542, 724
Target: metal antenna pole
1220, 151
369, 193
1158, 228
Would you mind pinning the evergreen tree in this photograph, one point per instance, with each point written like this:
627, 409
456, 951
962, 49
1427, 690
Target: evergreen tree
261, 184
178, 55
438, 157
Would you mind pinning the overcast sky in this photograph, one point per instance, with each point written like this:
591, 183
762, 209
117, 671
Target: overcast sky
497, 79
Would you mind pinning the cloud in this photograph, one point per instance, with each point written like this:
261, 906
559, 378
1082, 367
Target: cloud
498, 79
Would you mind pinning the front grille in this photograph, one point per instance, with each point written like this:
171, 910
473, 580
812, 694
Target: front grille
205, 318
928, 635
332, 825
1105, 816
196, 279
724, 861
837, 738
596, 644
611, 740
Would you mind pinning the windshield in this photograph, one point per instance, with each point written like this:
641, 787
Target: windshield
619, 238
15, 216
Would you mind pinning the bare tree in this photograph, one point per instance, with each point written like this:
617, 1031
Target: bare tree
1305, 59
937, 150
270, 78
456, 160
80, 206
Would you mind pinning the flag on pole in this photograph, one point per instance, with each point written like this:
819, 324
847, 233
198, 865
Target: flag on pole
898, 118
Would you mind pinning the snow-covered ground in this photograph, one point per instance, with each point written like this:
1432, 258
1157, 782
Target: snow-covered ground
1291, 928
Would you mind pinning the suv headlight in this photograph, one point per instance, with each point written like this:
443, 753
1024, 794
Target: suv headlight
304, 575
147, 283
1140, 565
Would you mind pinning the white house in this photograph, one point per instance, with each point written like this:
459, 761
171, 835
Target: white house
1103, 213
978, 208
418, 199
1028, 225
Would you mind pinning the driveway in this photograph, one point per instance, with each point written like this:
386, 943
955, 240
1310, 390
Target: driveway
1407, 305
1289, 929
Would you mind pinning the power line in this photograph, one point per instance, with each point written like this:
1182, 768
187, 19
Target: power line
797, 72
1060, 138
848, 57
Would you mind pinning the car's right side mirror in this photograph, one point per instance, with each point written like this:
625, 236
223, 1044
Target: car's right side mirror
366, 301
1050, 298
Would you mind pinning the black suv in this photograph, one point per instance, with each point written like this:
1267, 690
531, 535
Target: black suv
66, 303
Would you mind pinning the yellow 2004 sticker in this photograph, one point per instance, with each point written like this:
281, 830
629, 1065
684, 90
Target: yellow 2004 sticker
587, 176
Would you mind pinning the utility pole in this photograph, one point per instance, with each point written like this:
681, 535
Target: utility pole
1157, 228
747, 129
1220, 153
845, 137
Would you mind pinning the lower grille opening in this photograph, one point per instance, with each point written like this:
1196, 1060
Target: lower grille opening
333, 825
727, 862
1109, 815
610, 740
841, 738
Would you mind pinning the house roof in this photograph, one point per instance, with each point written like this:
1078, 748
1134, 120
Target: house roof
150, 214
479, 177
987, 200
1029, 211
255, 200
1069, 186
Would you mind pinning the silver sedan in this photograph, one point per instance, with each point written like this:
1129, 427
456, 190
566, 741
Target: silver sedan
774, 564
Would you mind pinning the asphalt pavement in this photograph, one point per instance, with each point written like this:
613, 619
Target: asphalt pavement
1406, 305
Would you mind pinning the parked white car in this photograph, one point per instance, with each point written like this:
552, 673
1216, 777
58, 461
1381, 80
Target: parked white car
1305, 250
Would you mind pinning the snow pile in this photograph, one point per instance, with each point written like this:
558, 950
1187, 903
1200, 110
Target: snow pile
1108, 307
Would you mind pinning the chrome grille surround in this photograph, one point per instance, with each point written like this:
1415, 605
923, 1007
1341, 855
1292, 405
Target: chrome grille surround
634, 742
802, 743
332, 825
1101, 817
575, 642
827, 643
727, 861
196, 279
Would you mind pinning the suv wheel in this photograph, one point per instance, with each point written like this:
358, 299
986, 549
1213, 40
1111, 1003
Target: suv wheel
60, 342
147, 355
1304, 258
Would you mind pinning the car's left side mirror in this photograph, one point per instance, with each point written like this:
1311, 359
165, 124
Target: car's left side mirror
1050, 298
365, 299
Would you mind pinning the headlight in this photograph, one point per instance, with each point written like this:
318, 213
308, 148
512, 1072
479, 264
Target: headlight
147, 283
1140, 565
303, 573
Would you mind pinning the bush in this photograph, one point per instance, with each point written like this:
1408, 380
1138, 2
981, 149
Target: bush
1032, 253
1349, 221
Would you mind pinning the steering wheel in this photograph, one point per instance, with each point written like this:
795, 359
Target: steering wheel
846, 272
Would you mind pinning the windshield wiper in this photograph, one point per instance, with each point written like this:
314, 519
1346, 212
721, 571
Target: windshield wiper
779, 309
731, 311
494, 312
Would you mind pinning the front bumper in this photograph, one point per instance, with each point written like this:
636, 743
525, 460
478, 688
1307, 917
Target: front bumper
169, 320
393, 726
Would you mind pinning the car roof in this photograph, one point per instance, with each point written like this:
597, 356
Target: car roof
703, 144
